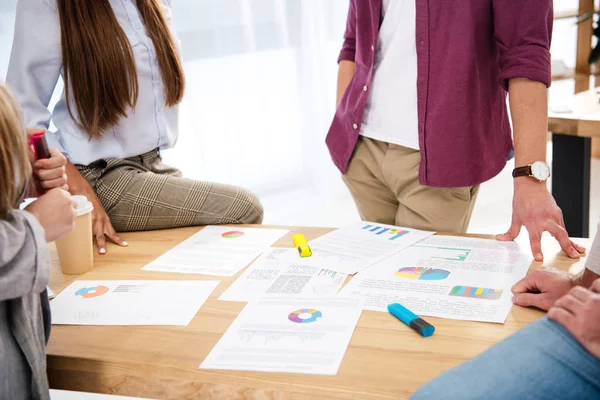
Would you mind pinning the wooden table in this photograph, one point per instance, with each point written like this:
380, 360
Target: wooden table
385, 359
572, 135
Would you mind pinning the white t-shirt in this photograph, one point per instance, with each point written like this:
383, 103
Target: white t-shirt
391, 113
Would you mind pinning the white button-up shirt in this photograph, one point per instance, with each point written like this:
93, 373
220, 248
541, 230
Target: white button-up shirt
36, 64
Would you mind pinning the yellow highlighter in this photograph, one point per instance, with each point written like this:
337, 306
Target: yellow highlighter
302, 245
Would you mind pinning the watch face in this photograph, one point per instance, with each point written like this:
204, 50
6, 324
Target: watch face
540, 170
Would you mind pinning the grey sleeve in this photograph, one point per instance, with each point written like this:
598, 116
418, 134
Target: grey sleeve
592, 261
24, 258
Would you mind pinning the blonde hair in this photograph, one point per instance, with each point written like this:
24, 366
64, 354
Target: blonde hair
14, 162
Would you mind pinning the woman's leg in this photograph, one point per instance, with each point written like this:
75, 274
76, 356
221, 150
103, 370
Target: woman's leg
541, 361
140, 195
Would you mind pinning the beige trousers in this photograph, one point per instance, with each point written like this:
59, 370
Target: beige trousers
383, 179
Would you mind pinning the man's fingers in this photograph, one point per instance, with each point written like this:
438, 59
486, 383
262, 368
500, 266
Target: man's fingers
535, 239
561, 235
563, 317
512, 233
569, 303
526, 284
596, 286
541, 301
580, 293
578, 247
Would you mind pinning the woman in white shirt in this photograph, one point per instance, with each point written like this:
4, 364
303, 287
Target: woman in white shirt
123, 81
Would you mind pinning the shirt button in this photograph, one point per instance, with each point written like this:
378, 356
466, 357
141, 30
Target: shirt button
372, 48
422, 43
355, 126
365, 88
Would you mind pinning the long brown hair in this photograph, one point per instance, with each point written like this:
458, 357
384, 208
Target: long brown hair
98, 63
14, 162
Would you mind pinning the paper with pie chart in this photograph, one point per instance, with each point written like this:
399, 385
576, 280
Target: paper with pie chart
447, 277
306, 335
217, 251
130, 302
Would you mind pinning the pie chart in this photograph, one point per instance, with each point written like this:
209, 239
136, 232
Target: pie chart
305, 316
232, 234
422, 273
91, 292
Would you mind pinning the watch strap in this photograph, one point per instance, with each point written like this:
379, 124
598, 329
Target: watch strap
522, 171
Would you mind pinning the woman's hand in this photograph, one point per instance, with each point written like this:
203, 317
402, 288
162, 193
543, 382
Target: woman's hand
101, 225
47, 173
56, 212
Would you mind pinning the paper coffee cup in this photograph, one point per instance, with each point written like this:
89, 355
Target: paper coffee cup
76, 250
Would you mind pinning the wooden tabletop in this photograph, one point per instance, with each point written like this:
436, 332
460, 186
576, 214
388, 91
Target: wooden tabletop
385, 359
584, 118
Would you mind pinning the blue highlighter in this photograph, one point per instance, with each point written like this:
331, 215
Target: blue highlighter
409, 318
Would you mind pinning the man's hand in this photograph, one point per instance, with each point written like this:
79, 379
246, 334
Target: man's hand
579, 313
542, 288
535, 208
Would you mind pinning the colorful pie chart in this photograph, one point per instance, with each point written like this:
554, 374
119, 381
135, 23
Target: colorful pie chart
305, 316
232, 234
91, 292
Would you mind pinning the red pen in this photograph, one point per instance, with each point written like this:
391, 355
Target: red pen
41, 151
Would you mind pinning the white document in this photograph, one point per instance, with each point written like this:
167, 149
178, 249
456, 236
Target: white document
217, 250
446, 277
307, 335
356, 247
283, 271
130, 302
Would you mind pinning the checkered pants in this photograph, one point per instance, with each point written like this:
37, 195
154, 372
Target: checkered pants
141, 193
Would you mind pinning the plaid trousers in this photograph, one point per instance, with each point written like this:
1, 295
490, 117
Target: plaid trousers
141, 193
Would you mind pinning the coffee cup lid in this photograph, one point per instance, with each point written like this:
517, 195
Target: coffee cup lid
83, 205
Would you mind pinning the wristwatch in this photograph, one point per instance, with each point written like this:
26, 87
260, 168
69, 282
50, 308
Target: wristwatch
539, 171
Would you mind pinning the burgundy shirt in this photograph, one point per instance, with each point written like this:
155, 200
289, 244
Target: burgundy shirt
467, 51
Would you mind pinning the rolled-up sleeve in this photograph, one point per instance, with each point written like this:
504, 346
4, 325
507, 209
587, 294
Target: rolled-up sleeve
593, 259
523, 33
348, 52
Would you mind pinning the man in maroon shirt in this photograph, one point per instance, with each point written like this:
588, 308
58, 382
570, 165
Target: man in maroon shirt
422, 117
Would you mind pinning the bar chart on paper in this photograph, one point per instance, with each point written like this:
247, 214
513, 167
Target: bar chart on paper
476, 292
360, 245
447, 253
